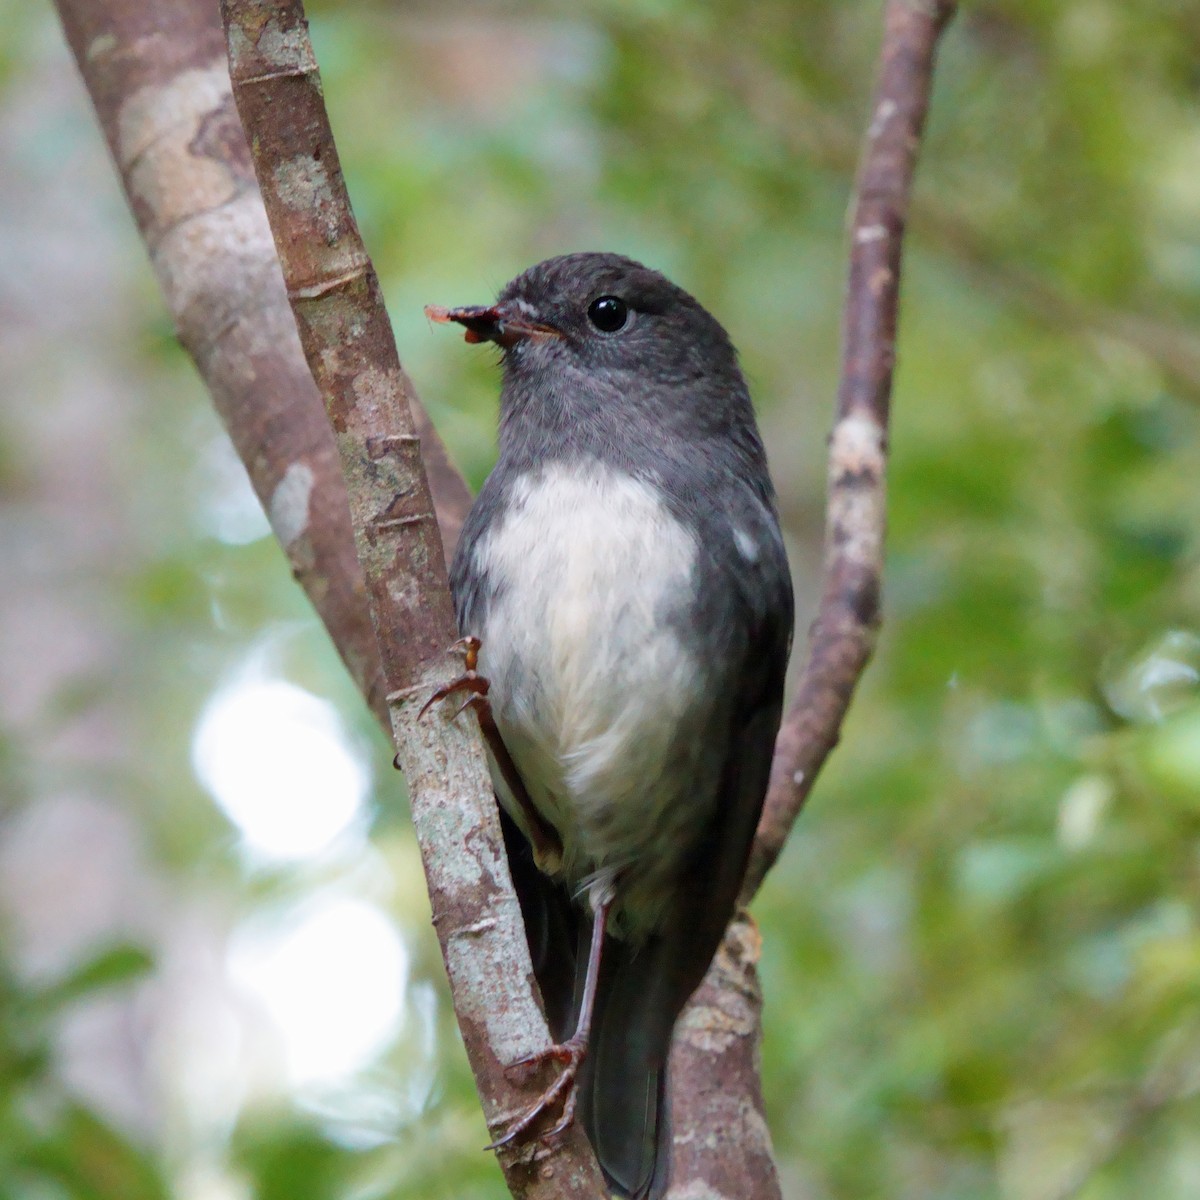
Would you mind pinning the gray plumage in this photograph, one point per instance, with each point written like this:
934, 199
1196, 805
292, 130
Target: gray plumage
624, 571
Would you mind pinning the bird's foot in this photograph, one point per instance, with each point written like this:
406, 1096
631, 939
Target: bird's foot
560, 1095
469, 681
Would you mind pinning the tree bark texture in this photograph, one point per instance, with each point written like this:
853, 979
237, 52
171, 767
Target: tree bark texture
347, 340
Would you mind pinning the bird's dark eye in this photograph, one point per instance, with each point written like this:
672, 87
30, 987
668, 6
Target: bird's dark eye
608, 314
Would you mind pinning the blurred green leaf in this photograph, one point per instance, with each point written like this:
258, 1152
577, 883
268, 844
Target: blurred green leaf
90, 1160
112, 967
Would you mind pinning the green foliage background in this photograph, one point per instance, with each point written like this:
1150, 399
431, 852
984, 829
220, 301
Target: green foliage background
982, 948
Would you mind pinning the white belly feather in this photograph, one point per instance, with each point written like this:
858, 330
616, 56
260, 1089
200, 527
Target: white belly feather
591, 683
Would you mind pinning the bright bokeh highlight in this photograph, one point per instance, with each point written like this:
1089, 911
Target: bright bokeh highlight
330, 976
279, 764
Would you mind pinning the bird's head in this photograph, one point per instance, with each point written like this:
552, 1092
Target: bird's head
604, 316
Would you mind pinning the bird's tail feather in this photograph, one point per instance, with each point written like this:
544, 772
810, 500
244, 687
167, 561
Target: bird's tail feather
622, 1087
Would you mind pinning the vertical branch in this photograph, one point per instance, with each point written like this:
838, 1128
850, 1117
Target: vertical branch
345, 334
843, 635
722, 1143
348, 343
715, 1056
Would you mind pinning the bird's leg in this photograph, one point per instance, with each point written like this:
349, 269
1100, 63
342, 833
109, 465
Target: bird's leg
570, 1053
547, 847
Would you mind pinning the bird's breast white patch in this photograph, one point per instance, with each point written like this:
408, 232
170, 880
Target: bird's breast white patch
591, 682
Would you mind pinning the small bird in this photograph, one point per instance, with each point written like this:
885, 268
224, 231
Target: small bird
623, 591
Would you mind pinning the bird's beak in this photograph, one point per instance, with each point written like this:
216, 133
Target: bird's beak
505, 324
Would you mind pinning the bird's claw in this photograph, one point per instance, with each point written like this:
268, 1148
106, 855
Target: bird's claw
568, 1053
562, 1091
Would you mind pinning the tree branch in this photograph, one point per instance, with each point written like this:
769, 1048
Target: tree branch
347, 340
715, 1056
843, 635
158, 79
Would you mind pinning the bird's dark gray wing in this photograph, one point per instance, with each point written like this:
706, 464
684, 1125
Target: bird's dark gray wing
622, 1085
473, 589
554, 927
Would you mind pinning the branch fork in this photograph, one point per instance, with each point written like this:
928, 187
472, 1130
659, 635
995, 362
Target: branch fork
381, 506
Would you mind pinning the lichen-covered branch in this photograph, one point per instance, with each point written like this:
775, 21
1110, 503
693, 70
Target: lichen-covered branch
347, 340
722, 1143
345, 334
843, 635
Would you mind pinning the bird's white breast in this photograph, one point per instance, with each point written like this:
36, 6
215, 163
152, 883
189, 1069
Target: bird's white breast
592, 686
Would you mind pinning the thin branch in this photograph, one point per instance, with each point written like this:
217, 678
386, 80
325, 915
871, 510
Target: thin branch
722, 1141
348, 342
843, 635
720, 1033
